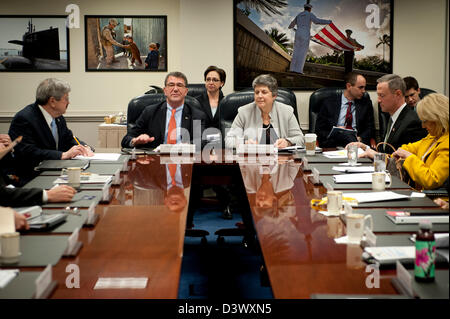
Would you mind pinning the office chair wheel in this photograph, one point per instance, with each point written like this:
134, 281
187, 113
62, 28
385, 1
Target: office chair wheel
220, 240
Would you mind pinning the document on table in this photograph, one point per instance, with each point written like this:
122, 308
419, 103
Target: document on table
121, 283
354, 169
100, 157
6, 276
356, 178
86, 179
392, 253
371, 197
339, 153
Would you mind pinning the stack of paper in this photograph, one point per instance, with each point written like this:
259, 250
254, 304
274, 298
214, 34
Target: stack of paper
176, 148
356, 178
392, 253
370, 197
6, 276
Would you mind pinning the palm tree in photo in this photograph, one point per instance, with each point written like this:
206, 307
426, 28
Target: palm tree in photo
277, 36
385, 40
269, 7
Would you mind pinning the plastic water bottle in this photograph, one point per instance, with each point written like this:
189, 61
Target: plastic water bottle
424, 267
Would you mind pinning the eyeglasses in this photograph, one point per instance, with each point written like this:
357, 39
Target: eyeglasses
212, 80
178, 85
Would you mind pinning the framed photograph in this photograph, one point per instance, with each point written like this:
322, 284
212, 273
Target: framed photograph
34, 43
126, 43
309, 44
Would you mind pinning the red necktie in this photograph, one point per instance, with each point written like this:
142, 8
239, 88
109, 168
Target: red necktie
173, 171
171, 137
349, 117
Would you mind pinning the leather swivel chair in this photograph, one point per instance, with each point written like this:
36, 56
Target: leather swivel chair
154, 90
316, 100
196, 89
383, 117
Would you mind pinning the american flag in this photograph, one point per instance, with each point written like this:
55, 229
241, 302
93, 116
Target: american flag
332, 38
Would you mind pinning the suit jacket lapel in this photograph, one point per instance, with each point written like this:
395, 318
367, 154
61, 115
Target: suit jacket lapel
397, 125
338, 102
42, 126
186, 117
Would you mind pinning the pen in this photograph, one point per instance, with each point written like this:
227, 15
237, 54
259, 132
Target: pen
76, 140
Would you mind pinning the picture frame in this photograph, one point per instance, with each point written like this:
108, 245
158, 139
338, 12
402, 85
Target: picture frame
360, 34
34, 43
139, 43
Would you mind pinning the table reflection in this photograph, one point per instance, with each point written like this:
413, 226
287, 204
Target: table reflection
154, 183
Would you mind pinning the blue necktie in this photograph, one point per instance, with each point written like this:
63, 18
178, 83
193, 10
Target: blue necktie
54, 132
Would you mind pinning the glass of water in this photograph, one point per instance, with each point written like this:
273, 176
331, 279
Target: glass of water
352, 154
379, 162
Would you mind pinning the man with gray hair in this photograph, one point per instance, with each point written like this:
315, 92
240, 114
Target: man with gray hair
44, 129
403, 126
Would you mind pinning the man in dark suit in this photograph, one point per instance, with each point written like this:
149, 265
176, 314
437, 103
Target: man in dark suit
44, 129
19, 197
404, 125
351, 110
171, 122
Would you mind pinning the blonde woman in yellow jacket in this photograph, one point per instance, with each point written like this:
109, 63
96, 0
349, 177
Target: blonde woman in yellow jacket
427, 160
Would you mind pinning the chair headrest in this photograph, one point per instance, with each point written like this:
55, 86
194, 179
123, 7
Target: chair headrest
196, 89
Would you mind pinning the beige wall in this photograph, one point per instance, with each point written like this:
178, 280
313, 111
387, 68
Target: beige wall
200, 33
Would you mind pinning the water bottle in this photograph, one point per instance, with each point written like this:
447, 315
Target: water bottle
424, 267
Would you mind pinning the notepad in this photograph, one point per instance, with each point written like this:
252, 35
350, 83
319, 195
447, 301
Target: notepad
391, 253
339, 153
356, 178
415, 218
121, 283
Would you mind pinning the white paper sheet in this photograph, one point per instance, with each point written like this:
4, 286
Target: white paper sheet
356, 178
392, 253
352, 169
339, 153
6, 276
86, 179
121, 283
370, 197
100, 157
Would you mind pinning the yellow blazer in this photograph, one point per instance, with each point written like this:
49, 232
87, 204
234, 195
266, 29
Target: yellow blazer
434, 171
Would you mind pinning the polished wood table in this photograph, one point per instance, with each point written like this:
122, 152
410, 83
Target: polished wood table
140, 234
297, 243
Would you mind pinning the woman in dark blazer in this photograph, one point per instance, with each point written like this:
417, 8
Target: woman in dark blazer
210, 99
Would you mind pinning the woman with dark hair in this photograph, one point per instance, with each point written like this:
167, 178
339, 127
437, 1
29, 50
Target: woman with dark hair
210, 99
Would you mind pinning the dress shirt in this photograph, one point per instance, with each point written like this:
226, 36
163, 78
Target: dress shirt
178, 114
343, 112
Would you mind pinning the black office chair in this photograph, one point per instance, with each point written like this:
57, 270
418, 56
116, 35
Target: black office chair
154, 90
196, 89
138, 104
286, 93
383, 117
315, 103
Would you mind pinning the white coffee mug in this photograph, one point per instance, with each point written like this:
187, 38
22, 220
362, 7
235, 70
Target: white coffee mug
310, 143
379, 181
10, 243
334, 202
355, 226
73, 176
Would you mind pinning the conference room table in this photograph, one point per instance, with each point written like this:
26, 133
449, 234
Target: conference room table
140, 232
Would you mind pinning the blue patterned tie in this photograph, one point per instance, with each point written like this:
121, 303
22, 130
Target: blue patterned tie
54, 132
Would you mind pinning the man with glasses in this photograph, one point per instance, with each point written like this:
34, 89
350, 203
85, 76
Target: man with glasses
170, 122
